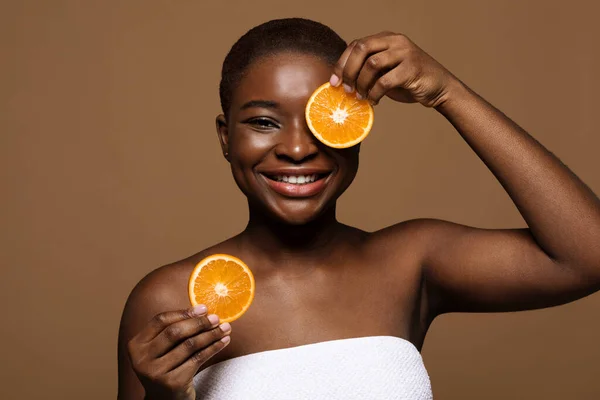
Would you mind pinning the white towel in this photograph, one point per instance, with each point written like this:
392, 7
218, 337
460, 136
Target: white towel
373, 367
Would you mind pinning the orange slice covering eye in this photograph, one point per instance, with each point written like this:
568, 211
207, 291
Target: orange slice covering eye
338, 119
224, 284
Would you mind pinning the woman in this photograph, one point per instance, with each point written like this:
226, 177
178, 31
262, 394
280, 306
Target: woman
359, 299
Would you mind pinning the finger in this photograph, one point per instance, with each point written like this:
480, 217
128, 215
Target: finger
362, 49
190, 367
160, 321
193, 345
179, 332
374, 67
398, 78
336, 78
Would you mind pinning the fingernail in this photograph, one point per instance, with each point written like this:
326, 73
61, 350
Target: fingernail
226, 339
225, 327
358, 96
199, 309
213, 319
334, 80
347, 88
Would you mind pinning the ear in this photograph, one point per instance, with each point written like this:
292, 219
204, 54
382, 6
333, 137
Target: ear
223, 134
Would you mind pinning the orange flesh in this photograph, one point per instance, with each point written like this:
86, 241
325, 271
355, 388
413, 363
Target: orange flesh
224, 284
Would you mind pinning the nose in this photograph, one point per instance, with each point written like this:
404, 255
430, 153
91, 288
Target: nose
297, 143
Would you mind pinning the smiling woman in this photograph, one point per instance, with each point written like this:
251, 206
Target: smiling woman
268, 142
311, 331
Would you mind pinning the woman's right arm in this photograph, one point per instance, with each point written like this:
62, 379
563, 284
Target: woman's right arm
162, 347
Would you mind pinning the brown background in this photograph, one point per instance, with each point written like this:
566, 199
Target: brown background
110, 167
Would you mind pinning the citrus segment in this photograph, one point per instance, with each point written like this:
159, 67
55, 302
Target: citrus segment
338, 119
224, 284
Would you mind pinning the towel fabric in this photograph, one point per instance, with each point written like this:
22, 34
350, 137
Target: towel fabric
373, 367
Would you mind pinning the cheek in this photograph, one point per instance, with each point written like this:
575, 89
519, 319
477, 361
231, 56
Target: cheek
246, 150
249, 147
240, 176
348, 163
348, 160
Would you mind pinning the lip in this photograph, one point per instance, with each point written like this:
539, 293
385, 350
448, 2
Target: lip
297, 171
294, 190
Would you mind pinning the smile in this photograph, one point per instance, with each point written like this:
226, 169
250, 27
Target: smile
296, 185
297, 179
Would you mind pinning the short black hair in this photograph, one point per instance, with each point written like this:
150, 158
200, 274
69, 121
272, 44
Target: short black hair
275, 36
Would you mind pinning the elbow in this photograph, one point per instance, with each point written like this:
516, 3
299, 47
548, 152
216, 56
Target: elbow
588, 271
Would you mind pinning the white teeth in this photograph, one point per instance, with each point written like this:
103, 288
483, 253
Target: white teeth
298, 180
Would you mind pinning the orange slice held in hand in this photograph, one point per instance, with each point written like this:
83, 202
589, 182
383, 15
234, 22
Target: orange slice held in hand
224, 284
338, 119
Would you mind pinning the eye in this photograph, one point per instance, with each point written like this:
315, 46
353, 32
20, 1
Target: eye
262, 123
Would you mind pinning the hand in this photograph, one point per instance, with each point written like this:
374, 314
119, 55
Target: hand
169, 351
390, 64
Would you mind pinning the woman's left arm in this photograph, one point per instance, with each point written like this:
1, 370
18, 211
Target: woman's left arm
562, 213
556, 259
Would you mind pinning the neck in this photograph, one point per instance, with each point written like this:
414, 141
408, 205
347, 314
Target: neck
315, 239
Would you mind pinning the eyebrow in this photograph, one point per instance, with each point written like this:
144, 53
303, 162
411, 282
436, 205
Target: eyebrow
260, 104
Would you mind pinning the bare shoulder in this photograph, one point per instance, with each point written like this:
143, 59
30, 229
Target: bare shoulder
163, 289
402, 249
408, 246
415, 236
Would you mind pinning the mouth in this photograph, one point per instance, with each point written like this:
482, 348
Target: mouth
297, 185
297, 179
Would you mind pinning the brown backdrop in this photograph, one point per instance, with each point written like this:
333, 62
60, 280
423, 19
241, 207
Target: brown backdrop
110, 167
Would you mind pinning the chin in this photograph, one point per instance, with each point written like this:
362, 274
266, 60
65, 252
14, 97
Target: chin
296, 214
295, 217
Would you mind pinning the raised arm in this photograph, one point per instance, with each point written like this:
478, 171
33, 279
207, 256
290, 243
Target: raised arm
558, 258
555, 260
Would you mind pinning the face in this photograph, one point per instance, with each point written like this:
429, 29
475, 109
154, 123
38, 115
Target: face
276, 161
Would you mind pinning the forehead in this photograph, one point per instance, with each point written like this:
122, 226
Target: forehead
282, 77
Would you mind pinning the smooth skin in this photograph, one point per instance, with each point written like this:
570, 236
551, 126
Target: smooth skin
318, 279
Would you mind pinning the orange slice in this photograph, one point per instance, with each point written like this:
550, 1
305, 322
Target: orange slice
224, 284
337, 118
